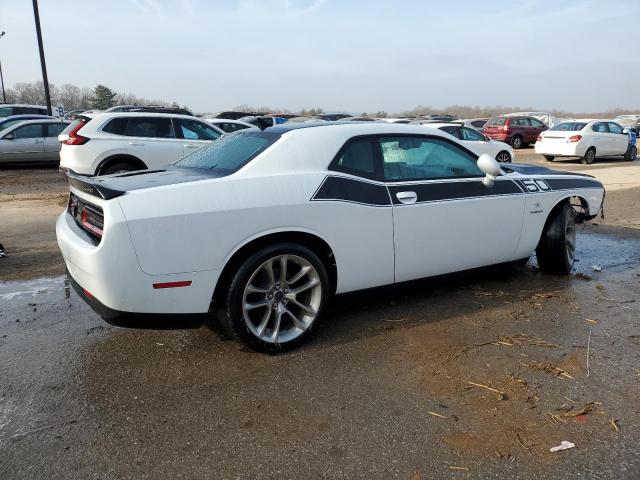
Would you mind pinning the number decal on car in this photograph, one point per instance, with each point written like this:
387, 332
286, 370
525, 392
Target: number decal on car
535, 185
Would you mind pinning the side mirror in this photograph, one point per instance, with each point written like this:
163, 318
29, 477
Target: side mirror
490, 167
9, 136
625, 131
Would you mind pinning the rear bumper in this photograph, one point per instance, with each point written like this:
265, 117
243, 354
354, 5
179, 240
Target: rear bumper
111, 273
153, 321
559, 149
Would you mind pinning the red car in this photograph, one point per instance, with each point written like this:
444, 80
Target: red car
517, 131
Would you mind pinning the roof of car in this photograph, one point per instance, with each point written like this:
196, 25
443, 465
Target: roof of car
355, 128
145, 114
25, 116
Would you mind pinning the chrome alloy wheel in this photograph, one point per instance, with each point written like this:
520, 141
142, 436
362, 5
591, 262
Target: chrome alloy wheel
570, 236
282, 299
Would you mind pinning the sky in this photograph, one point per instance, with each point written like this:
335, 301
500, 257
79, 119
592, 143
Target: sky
341, 55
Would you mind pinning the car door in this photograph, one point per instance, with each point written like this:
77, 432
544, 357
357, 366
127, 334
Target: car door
194, 134
619, 141
153, 140
600, 138
445, 219
22, 143
51, 142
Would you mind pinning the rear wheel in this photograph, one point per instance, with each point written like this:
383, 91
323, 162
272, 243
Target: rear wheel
589, 156
632, 153
549, 158
275, 298
557, 248
503, 157
516, 142
118, 167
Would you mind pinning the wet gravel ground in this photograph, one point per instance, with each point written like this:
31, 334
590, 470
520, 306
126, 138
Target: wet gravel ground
393, 385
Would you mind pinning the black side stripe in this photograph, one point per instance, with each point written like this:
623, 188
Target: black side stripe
434, 192
351, 190
572, 183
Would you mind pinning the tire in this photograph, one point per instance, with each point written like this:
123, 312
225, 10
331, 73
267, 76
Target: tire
503, 157
278, 319
589, 156
631, 154
557, 247
118, 167
516, 142
549, 158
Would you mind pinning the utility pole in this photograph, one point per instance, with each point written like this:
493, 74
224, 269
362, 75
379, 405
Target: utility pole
4, 97
36, 16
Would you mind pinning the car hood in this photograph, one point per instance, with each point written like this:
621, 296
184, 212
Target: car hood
536, 170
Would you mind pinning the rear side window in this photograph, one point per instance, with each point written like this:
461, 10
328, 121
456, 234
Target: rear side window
150, 127
195, 130
54, 129
521, 122
423, 158
536, 123
600, 128
229, 153
231, 127
357, 157
117, 126
496, 121
478, 123
568, 127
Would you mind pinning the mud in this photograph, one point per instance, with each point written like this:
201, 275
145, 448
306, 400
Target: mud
81, 399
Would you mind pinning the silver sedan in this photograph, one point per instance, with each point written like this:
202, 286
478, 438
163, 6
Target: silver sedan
31, 141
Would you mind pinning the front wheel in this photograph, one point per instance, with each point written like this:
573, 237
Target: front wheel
556, 251
275, 298
503, 157
632, 153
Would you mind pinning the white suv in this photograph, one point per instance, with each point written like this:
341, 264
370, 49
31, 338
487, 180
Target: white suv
107, 143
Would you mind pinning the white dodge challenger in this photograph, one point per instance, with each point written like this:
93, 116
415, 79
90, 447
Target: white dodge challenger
259, 229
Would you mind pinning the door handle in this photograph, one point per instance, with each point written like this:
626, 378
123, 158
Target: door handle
407, 197
136, 144
191, 145
38, 141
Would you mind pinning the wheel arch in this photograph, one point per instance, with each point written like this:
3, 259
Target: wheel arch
579, 203
117, 157
308, 239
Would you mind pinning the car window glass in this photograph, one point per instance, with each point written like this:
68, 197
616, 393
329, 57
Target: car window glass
10, 123
150, 127
358, 157
229, 153
478, 123
452, 130
568, 127
536, 123
599, 127
194, 130
418, 158
471, 135
33, 130
614, 128
54, 129
117, 126
496, 121
6, 111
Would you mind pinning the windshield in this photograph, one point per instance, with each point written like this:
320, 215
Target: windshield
627, 120
230, 152
10, 123
568, 127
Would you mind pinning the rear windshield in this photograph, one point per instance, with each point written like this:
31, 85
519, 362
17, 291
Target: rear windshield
230, 152
568, 127
496, 121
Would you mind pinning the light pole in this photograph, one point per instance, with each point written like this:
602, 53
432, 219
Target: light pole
43, 64
4, 97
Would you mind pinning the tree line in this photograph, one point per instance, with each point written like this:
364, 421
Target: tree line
73, 97
102, 97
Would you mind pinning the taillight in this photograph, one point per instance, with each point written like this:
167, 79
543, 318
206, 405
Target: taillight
74, 137
574, 138
92, 221
539, 138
